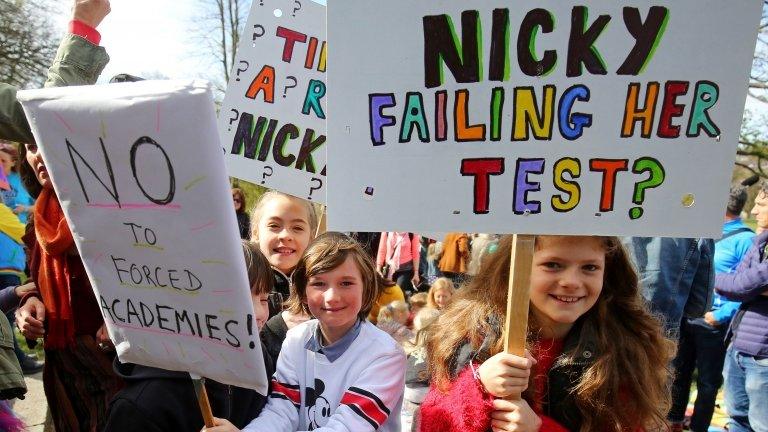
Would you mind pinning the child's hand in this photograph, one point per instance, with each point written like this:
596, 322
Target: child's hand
506, 374
514, 416
221, 425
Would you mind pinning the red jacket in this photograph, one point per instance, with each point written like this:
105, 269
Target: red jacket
465, 408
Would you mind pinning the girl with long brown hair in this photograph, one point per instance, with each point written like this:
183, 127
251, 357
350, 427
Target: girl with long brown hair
601, 360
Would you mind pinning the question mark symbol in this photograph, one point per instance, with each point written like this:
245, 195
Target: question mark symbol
241, 69
295, 83
261, 3
655, 178
233, 119
314, 188
296, 9
258, 31
264, 175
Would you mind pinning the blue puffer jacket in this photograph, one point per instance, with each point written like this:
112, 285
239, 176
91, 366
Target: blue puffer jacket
747, 284
12, 259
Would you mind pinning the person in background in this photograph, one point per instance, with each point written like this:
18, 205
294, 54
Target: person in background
746, 360
77, 378
243, 221
389, 293
17, 199
677, 277
434, 253
393, 319
417, 302
398, 259
455, 259
417, 373
440, 294
702, 340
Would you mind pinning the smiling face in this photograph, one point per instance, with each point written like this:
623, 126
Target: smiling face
335, 299
566, 281
283, 232
443, 298
35, 160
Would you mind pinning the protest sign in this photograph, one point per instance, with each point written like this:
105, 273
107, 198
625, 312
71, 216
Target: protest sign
140, 176
272, 121
552, 117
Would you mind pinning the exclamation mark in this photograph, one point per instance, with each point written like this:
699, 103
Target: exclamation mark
252, 345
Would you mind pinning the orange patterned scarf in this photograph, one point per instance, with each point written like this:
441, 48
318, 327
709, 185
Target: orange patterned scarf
55, 240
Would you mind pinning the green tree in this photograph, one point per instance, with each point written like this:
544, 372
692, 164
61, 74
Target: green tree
28, 41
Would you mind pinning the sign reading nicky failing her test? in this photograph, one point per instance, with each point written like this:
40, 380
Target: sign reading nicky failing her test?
140, 176
591, 117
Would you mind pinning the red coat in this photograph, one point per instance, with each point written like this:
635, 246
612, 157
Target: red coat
465, 408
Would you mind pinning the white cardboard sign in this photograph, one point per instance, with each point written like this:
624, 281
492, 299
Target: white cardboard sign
140, 176
272, 121
542, 117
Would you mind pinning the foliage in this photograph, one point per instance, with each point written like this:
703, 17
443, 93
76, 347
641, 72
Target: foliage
28, 42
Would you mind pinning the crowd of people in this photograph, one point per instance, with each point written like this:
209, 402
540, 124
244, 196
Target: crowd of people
394, 331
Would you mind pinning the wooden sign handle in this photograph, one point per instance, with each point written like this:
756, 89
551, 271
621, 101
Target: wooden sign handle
321, 224
516, 322
202, 399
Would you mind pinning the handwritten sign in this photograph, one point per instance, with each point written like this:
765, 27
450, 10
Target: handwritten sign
141, 180
596, 117
272, 121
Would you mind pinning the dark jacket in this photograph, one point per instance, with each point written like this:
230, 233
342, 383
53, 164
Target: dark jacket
159, 400
280, 292
747, 284
273, 335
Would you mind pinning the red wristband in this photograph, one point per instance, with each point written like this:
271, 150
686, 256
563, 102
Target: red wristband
79, 28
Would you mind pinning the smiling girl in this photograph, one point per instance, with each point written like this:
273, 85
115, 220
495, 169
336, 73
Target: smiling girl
601, 360
337, 372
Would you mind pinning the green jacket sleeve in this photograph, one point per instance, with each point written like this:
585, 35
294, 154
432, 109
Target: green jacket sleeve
77, 62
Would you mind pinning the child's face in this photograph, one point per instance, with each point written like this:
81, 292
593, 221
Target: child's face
566, 280
283, 232
335, 299
260, 308
442, 298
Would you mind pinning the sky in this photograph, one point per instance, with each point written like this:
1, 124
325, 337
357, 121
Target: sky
153, 38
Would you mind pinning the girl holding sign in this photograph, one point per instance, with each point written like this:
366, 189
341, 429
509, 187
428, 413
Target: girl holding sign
600, 360
337, 372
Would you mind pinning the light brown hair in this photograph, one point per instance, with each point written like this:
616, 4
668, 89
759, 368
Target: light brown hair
418, 300
260, 277
633, 358
325, 253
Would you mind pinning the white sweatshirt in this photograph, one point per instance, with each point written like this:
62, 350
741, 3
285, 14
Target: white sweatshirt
360, 391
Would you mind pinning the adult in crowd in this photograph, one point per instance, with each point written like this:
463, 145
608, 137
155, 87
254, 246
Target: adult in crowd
455, 259
702, 340
676, 277
369, 241
398, 259
243, 220
746, 360
78, 378
17, 198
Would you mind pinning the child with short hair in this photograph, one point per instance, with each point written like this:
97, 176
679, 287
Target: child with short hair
283, 226
393, 319
603, 360
337, 372
440, 293
156, 400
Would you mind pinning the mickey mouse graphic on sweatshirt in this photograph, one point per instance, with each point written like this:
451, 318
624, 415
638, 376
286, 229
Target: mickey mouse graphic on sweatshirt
354, 384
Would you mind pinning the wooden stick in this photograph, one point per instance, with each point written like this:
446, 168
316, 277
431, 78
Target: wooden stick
321, 225
516, 322
202, 399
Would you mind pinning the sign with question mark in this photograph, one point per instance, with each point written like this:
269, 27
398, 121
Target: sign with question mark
556, 117
272, 121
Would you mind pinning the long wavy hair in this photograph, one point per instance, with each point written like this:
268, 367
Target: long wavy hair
628, 384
